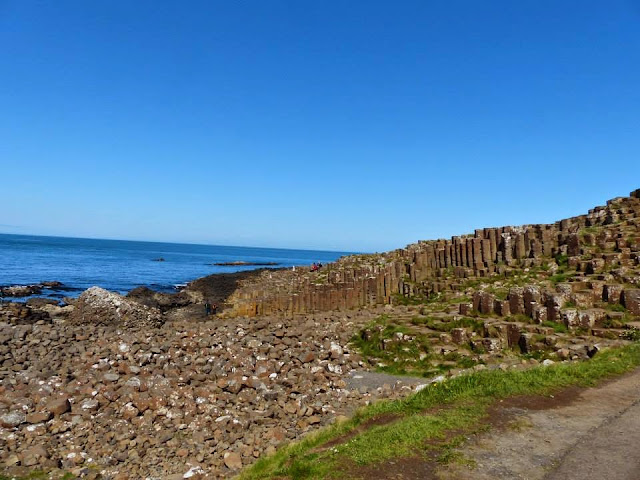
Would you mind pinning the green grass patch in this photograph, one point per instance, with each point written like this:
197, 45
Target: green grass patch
557, 327
615, 307
461, 361
539, 355
408, 434
500, 293
460, 404
562, 260
613, 323
519, 317
560, 278
399, 349
416, 299
440, 326
590, 230
459, 299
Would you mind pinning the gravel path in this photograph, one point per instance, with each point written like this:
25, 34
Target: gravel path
610, 451
364, 381
596, 435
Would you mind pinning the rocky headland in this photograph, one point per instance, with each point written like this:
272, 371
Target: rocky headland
148, 386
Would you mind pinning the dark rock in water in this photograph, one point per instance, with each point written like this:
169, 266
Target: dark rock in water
158, 259
245, 264
28, 290
20, 290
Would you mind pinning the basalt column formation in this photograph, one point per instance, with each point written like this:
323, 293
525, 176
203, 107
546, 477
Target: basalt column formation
609, 232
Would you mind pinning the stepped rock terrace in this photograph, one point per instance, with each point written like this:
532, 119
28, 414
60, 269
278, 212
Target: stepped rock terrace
605, 239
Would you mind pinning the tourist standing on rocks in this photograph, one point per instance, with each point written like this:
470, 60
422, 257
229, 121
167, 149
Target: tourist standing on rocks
214, 309
207, 308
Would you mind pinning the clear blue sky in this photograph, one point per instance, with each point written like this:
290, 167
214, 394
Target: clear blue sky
357, 125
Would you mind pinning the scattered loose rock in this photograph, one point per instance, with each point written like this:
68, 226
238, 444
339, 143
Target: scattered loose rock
232, 460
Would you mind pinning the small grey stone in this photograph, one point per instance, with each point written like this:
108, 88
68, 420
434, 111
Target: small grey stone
12, 419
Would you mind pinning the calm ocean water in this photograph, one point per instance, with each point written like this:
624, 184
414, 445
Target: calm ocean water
121, 266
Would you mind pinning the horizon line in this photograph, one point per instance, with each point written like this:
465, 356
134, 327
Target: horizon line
178, 243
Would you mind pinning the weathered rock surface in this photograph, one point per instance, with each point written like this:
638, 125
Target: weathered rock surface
20, 313
631, 300
97, 306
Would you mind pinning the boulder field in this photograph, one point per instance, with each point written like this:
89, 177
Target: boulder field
104, 389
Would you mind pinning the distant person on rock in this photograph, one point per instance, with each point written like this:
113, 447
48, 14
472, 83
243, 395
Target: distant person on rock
207, 308
214, 309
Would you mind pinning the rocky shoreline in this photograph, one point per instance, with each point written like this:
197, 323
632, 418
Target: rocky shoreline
148, 385
109, 387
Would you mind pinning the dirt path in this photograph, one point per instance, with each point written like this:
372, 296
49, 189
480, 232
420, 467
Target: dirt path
582, 434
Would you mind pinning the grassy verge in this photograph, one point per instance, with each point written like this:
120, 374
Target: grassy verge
453, 406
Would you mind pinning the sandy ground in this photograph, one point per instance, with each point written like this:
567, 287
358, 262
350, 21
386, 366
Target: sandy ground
583, 434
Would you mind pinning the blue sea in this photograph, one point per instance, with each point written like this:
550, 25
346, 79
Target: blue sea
121, 266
